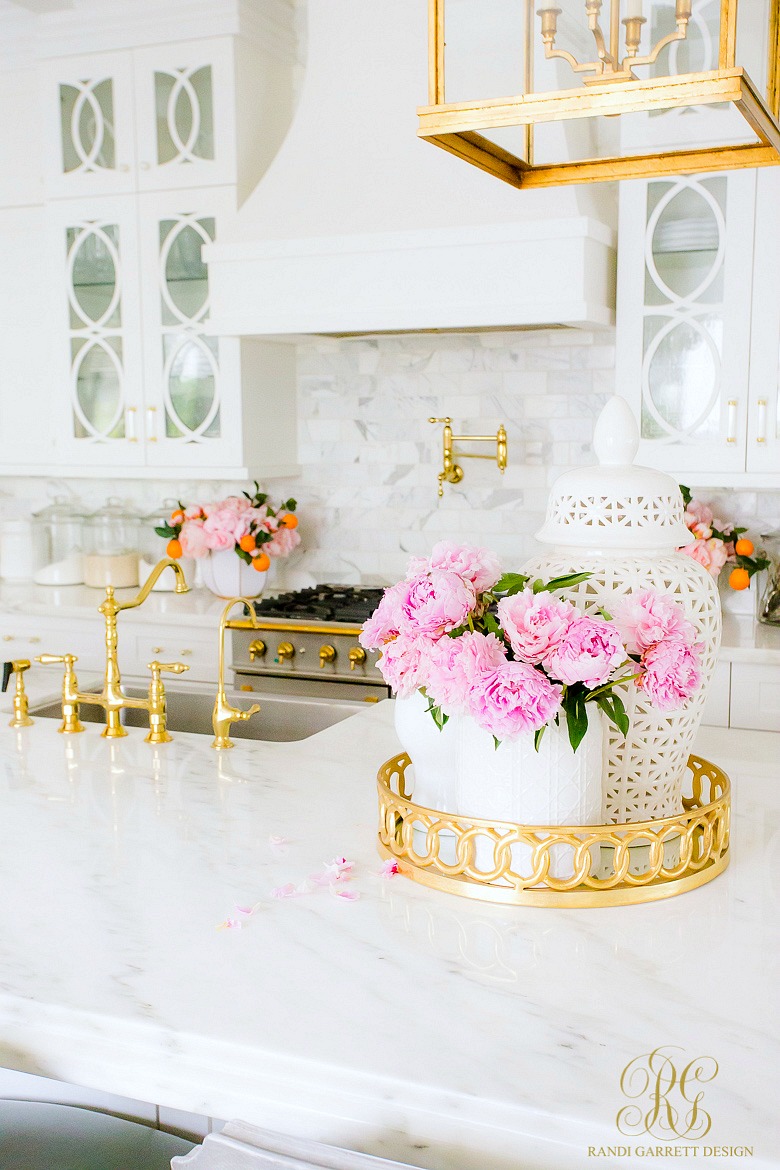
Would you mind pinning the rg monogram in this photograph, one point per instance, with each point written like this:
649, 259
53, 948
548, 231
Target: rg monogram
668, 1100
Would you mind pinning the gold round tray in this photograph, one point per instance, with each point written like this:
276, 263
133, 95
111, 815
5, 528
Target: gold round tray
559, 865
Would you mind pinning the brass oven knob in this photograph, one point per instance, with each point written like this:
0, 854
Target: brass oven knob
357, 657
257, 649
327, 654
284, 650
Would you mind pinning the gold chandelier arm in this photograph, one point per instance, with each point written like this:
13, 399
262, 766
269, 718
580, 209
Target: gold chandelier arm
680, 34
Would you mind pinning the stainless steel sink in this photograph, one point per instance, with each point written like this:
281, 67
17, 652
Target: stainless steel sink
282, 718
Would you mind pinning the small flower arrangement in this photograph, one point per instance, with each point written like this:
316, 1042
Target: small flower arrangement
505, 650
717, 543
245, 524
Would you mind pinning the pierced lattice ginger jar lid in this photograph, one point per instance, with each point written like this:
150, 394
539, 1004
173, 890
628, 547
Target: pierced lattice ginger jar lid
614, 504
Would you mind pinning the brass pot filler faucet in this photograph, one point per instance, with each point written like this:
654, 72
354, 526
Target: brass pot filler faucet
451, 471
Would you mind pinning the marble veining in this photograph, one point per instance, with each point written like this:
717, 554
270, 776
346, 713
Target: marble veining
407, 1023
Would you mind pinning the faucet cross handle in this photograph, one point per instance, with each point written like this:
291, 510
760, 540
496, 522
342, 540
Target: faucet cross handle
71, 723
158, 704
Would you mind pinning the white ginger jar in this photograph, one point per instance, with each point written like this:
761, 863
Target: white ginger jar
624, 525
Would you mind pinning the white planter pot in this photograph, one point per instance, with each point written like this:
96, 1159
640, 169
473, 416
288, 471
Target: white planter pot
432, 752
514, 782
226, 575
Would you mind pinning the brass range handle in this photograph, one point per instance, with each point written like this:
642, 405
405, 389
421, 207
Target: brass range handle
327, 655
357, 657
284, 651
257, 649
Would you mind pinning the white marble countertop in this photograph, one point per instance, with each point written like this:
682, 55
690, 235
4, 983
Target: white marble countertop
444, 1033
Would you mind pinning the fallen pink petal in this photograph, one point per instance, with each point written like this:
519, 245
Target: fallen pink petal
230, 924
288, 890
347, 895
389, 868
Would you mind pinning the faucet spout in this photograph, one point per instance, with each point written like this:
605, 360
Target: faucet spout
167, 563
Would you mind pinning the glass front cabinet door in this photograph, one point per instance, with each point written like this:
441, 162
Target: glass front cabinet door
185, 365
684, 317
89, 115
98, 361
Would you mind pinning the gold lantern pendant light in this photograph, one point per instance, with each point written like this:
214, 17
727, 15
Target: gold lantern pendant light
623, 57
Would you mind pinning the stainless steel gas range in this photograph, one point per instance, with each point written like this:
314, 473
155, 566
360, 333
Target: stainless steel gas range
306, 643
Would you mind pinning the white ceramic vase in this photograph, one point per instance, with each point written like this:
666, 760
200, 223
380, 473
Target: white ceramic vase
431, 751
623, 524
226, 575
552, 786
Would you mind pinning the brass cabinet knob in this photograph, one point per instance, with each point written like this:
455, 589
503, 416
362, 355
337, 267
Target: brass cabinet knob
357, 657
285, 650
257, 649
327, 654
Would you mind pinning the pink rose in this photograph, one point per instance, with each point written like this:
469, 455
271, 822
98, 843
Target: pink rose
194, 541
385, 622
404, 664
435, 603
712, 554
512, 699
480, 566
535, 623
590, 650
456, 664
648, 617
283, 543
698, 513
671, 674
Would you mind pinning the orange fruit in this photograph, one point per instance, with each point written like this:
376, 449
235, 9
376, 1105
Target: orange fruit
739, 579
261, 562
247, 543
744, 547
177, 517
289, 520
174, 549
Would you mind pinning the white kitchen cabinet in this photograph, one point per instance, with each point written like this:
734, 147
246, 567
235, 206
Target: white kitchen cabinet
145, 119
684, 312
146, 383
763, 416
716, 709
755, 696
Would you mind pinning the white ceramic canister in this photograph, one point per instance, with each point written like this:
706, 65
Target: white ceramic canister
624, 524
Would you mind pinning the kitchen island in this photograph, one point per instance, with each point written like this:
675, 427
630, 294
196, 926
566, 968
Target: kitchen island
437, 1031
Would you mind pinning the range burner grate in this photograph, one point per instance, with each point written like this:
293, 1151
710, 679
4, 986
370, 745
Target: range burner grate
323, 603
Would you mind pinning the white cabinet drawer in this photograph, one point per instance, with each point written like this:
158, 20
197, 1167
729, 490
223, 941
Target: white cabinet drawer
198, 652
716, 709
755, 697
28, 637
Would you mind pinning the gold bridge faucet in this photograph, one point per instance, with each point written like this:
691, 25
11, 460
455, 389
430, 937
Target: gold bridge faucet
112, 698
224, 712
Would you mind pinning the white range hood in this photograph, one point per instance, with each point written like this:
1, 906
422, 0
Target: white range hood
360, 227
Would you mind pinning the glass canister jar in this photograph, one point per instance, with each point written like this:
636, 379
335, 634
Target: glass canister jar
154, 548
769, 606
60, 530
111, 547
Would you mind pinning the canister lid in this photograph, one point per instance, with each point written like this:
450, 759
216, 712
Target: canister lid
614, 504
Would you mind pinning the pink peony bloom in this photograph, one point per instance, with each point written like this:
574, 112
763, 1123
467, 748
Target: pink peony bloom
701, 531
480, 566
404, 664
194, 541
698, 513
226, 523
194, 512
512, 699
590, 650
435, 603
648, 617
456, 664
712, 554
535, 623
283, 543
385, 622
671, 674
